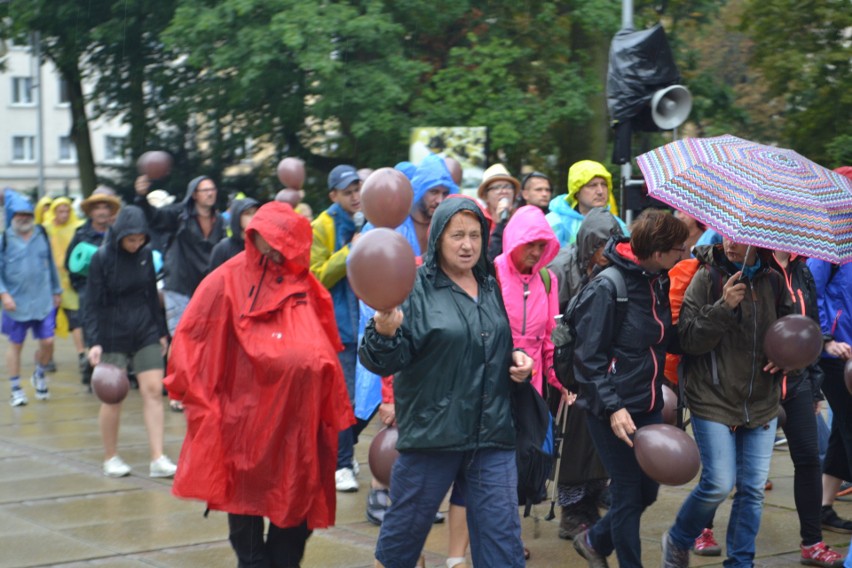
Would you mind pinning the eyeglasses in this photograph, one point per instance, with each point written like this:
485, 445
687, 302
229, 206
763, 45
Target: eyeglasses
206, 190
502, 188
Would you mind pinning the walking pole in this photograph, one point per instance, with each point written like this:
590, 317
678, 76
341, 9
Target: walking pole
562, 418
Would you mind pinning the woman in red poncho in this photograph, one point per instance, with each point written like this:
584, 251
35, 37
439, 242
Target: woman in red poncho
254, 360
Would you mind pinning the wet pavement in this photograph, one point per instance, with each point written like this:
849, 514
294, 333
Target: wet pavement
57, 508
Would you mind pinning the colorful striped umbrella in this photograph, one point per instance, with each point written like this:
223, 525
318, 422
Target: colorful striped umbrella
755, 194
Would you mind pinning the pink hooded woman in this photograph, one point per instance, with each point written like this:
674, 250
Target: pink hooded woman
530, 290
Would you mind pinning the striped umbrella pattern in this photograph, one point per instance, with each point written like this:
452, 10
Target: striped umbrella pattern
755, 194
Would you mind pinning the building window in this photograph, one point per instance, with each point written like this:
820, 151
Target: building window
67, 150
23, 148
64, 97
22, 90
114, 148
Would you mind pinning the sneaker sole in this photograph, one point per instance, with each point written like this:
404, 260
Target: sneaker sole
161, 475
116, 475
346, 489
708, 552
837, 530
44, 396
15, 404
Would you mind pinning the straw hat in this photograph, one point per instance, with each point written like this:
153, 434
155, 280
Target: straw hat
497, 172
100, 195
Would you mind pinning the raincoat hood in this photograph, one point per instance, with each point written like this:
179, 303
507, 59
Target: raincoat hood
407, 168
597, 228
130, 221
582, 173
528, 225
40, 213
237, 209
15, 203
73, 220
442, 216
432, 172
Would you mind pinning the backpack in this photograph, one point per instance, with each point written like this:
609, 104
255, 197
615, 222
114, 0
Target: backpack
535, 449
564, 336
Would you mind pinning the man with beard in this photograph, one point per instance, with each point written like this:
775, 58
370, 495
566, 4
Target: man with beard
30, 293
101, 208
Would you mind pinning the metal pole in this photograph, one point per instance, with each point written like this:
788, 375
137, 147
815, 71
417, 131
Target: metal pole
627, 14
39, 118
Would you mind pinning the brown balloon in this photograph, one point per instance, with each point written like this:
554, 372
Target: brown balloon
291, 196
364, 173
669, 406
847, 375
455, 169
383, 454
110, 383
793, 342
381, 268
386, 198
291, 172
155, 164
666, 454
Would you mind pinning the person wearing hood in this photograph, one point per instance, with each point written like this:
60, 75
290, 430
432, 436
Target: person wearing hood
125, 324
582, 483
30, 292
41, 209
498, 191
61, 224
193, 227
450, 348
589, 185
242, 210
732, 392
335, 231
264, 393
619, 367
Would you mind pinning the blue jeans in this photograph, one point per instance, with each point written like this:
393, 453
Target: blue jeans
738, 458
346, 438
420, 481
632, 492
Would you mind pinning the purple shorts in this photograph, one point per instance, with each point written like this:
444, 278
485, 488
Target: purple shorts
17, 330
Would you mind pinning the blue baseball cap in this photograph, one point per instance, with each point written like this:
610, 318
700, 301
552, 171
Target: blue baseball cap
341, 177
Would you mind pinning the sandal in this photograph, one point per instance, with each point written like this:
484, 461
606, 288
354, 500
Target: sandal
176, 406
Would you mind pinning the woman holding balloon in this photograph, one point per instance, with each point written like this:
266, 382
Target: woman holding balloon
450, 346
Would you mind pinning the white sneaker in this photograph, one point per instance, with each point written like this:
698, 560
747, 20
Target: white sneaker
40, 386
344, 480
162, 467
356, 467
18, 398
115, 467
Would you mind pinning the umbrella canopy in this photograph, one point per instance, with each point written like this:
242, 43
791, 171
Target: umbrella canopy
755, 194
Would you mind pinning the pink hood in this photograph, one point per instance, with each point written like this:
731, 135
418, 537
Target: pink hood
531, 309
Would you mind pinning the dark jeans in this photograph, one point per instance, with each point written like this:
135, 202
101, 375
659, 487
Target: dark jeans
284, 548
632, 492
346, 438
840, 442
801, 432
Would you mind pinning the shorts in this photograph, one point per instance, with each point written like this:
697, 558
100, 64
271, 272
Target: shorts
17, 330
73, 317
149, 358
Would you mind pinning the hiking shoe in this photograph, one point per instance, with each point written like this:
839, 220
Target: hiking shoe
344, 480
18, 398
820, 554
356, 467
40, 386
378, 502
584, 549
162, 467
706, 545
831, 522
115, 467
571, 523
673, 557
845, 491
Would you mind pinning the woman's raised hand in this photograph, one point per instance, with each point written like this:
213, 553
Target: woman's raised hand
387, 322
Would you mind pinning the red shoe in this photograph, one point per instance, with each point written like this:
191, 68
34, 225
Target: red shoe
706, 545
820, 554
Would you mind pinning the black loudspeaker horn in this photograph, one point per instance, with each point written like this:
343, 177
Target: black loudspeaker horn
671, 106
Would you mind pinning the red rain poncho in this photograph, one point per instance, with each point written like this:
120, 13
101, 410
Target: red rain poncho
254, 360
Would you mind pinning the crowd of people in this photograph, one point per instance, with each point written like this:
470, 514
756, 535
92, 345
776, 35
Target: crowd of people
248, 321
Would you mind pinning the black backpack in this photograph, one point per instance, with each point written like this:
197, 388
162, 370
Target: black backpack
564, 334
535, 450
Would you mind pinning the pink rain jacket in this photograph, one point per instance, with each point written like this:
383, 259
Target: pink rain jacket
531, 309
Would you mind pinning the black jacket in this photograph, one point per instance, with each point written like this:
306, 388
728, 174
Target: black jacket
230, 247
622, 368
84, 234
452, 354
123, 311
188, 254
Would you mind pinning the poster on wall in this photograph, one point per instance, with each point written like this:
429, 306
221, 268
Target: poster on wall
467, 144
